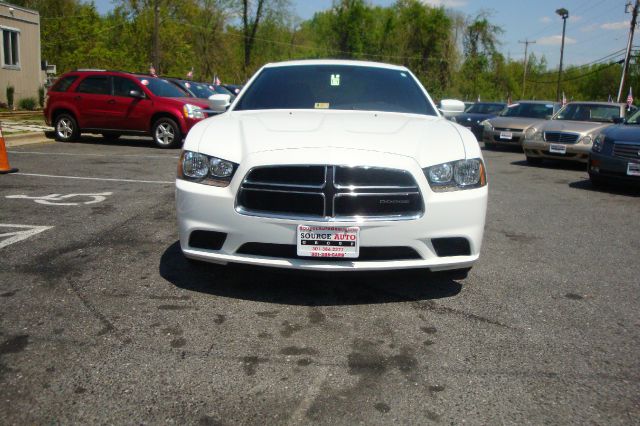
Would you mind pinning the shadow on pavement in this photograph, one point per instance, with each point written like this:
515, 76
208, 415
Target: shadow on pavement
293, 287
552, 164
609, 188
125, 140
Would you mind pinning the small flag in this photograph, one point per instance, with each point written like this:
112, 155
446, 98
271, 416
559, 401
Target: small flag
216, 80
152, 71
564, 99
509, 102
610, 100
478, 98
190, 74
629, 99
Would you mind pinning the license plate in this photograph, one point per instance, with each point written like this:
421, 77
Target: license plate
506, 135
633, 169
328, 241
558, 149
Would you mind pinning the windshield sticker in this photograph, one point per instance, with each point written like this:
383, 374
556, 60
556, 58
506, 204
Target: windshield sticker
335, 79
549, 106
211, 87
145, 82
322, 105
187, 85
403, 74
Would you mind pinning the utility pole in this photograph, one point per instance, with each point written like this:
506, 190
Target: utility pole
526, 43
564, 14
156, 42
627, 57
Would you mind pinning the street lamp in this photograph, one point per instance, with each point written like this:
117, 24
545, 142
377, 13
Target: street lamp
564, 14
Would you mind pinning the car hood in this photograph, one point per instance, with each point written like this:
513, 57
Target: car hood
624, 132
471, 117
514, 123
233, 135
582, 127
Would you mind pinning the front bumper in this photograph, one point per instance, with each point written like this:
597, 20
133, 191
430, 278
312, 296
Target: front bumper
539, 149
493, 137
457, 214
611, 168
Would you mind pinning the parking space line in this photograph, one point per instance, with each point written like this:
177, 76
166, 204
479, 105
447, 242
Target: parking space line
94, 178
74, 154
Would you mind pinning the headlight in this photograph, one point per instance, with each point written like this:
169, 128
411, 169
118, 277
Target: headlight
586, 140
192, 111
196, 167
463, 174
487, 125
598, 144
533, 134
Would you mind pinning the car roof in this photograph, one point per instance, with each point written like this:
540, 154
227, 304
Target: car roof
335, 62
536, 102
597, 103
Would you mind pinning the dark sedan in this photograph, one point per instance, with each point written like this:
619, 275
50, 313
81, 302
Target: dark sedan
477, 113
615, 155
201, 90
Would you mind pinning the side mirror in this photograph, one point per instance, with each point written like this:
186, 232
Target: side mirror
219, 102
618, 120
136, 94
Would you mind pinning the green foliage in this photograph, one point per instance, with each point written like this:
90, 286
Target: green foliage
28, 104
453, 55
10, 93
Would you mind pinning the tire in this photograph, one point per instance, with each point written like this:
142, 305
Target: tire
534, 160
65, 128
488, 145
166, 133
111, 136
597, 181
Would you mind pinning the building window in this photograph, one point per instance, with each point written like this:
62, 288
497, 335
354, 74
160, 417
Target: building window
10, 55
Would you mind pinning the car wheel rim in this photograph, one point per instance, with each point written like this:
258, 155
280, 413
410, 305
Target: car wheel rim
64, 128
165, 134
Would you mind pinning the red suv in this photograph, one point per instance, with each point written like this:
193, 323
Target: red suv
114, 103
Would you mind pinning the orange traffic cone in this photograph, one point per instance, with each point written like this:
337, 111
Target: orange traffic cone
4, 160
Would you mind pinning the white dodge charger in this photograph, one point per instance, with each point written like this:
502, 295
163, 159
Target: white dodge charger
332, 165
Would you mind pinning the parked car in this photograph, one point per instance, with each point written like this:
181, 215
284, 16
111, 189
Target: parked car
508, 127
201, 90
570, 133
476, 114
233, 88
113, 103
332, 165
615, 155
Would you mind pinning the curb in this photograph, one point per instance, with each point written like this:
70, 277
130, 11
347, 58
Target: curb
26, 139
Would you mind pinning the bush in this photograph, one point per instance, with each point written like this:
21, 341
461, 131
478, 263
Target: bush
27, 103
10, 91
41, 96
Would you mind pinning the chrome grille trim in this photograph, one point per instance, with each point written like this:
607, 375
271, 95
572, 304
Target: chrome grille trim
626, 150
307, 196
561, 137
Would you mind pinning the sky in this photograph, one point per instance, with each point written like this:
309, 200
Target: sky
595, 28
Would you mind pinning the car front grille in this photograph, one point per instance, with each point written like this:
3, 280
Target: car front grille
329, 193
289, 251
626, 150
561, 137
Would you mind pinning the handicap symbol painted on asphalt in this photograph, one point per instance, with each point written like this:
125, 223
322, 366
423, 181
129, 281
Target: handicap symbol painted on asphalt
63, 200
18, 233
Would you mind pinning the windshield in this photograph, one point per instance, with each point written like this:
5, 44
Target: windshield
199, 90
589, 112
485, 108
528, 110
338, 87
163, 88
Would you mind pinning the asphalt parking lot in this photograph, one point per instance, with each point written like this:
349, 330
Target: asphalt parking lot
103, 321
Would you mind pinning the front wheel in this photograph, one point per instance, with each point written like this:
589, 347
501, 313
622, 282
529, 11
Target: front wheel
597, 181
66, 128
488, 145
166, 133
